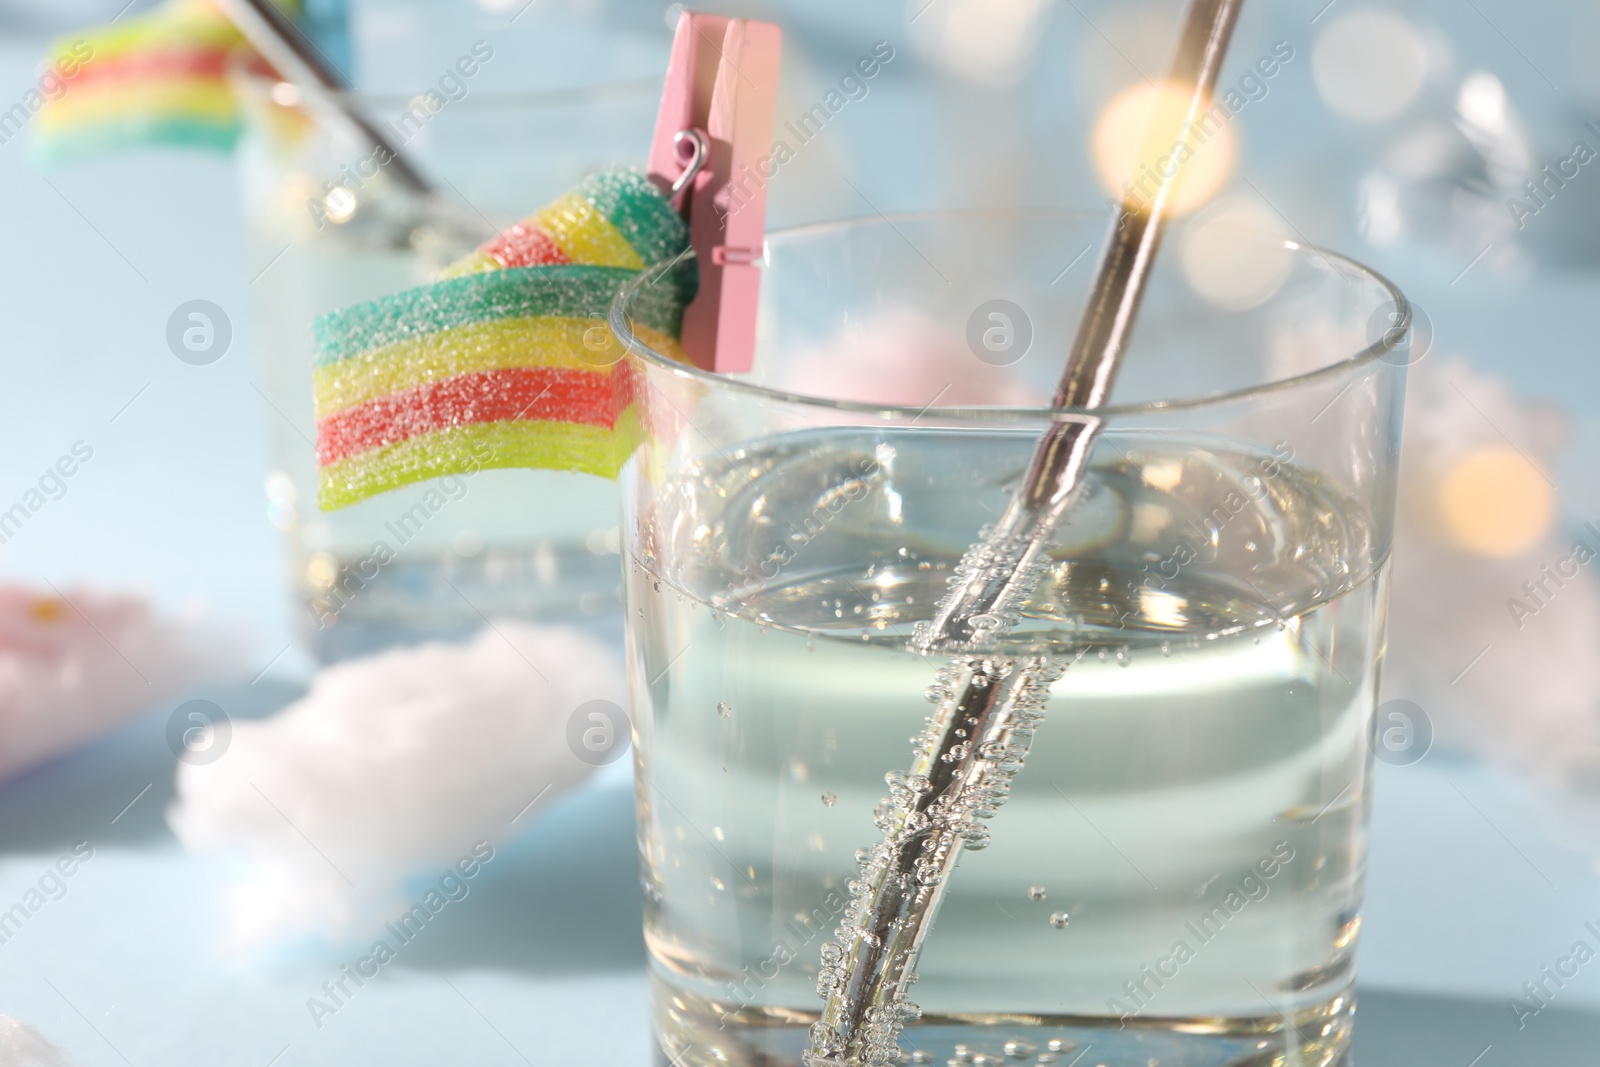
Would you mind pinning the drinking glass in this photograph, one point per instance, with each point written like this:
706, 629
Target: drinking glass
327, 230
1176, 876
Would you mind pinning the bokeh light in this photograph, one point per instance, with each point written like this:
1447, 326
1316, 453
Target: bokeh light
340, 204
1200, 162
1369, 64
1493, 502
1482, 101
989, 42
322, 570
1234, 256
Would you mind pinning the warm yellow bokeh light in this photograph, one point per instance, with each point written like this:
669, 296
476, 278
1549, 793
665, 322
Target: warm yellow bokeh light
1494, 503
1199, 157
47, 609
321, 570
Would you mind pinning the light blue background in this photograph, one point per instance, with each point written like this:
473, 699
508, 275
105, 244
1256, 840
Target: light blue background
543, 964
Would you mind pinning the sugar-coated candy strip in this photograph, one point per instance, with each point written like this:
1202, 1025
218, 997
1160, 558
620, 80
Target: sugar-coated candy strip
481, 446
195, 100
586, 236
577, 396
494, 364
160, 78
639, 212
573, 291
209, 64
633, 212
476, 347
525, 246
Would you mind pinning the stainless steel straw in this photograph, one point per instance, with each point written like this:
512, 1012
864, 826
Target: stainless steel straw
297, 60
989, 705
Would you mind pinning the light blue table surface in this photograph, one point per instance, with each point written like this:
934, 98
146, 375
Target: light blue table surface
1470, 892
1467, 898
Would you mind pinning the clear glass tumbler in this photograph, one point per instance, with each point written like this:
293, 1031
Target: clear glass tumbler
327, 230
1176, 877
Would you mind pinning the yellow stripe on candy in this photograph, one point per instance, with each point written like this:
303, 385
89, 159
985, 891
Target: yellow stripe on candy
111, 103
471, 263
665, 344
585, 235
480, 446
158, 30
548, 341
186, 24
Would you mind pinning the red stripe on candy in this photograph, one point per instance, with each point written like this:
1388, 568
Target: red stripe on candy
211, 64
523, 246
536, 394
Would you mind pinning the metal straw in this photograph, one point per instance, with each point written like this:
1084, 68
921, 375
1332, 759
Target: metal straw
989, 705
297, 60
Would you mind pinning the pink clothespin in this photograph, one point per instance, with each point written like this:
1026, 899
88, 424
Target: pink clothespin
715, 124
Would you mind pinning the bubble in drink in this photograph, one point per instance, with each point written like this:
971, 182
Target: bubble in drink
724, 708
1219, 734
829, 797
1060, 920
1036, 892
1018, 1049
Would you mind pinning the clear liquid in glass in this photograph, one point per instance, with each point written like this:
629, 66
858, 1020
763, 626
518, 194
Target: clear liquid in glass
1176, 877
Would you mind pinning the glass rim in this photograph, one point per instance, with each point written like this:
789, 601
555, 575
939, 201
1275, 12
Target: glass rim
1387, 342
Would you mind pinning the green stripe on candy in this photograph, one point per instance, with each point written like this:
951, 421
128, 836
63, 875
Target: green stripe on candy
55, 148
632, 203
569, 290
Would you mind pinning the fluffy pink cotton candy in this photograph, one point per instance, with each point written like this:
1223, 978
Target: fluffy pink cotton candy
75, 664
901, 358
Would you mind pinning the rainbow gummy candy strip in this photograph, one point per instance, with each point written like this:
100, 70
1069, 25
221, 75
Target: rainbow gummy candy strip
156, 79
498, 364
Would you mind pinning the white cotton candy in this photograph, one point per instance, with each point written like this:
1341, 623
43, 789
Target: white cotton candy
390, 769
23, 1046
1516, 689
75, 663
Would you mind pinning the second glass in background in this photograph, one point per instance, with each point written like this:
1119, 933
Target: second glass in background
327, 229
